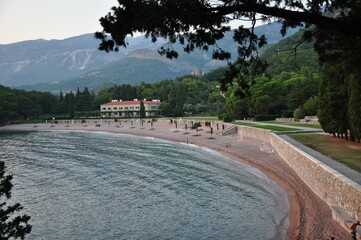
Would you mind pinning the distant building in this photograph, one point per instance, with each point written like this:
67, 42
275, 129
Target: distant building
119, 108
197, 72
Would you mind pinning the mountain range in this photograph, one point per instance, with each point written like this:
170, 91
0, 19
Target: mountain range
72, 63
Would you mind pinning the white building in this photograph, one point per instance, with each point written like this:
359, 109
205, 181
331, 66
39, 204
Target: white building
119, 108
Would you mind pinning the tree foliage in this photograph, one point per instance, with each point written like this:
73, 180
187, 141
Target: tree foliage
333, 100
142, 109
199, 24
311, 106
291, 55
299, 113
282, 93
16, 104
340, 87
12, 225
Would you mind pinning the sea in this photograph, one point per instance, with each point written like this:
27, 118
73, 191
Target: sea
98, 185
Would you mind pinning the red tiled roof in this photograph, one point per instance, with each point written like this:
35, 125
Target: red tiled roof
128, 103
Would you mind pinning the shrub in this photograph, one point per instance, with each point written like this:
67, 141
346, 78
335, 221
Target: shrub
228, 118
299, 113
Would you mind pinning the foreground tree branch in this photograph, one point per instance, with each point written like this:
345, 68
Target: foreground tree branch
342, 26
200, 23
12, 225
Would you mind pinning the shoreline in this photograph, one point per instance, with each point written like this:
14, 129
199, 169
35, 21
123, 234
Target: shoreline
309, 216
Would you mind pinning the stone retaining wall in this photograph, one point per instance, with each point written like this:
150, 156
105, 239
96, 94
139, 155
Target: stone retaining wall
334, 188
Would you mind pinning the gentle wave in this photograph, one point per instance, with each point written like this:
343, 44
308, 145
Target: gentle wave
91, 185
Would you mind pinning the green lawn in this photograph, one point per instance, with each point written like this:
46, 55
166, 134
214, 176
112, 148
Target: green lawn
249, 124
337, 150
268, 127
317, 126
276, 128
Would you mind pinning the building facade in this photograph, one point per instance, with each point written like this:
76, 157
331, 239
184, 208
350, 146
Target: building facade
119, 108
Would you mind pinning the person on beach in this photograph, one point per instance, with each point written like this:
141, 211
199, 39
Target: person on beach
353, 229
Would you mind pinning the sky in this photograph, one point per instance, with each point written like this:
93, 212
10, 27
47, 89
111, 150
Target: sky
22, 20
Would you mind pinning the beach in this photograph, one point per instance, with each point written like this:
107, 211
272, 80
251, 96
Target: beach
310, 217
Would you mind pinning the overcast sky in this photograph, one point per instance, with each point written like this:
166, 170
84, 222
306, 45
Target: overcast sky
50, 19
22, 20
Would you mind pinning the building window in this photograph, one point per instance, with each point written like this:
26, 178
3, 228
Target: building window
126, 108
115, 108
104, 108
109, 108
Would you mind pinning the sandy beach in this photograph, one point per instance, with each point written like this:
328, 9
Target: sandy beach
310, 217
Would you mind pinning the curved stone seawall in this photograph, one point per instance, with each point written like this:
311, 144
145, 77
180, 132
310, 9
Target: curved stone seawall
340, 193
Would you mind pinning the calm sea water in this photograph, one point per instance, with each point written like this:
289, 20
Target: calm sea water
86, 185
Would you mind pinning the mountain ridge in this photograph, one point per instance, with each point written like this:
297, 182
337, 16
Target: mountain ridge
54, 64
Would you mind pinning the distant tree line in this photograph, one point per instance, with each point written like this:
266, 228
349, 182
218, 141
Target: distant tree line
188, 95
16, 104
195, 95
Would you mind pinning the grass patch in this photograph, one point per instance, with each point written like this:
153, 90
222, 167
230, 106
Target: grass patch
307, 125
268, 127
338, 149
276, 128
249, 124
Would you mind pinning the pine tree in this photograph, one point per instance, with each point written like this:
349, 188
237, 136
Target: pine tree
71, 105
142, 109
354, 106
333, 100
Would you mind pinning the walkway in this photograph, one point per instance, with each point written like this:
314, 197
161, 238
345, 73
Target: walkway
344, 170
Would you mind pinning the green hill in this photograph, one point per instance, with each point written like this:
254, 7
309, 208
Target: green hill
290, 55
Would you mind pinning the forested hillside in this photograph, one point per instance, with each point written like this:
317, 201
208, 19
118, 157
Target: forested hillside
290, 81
291, 54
